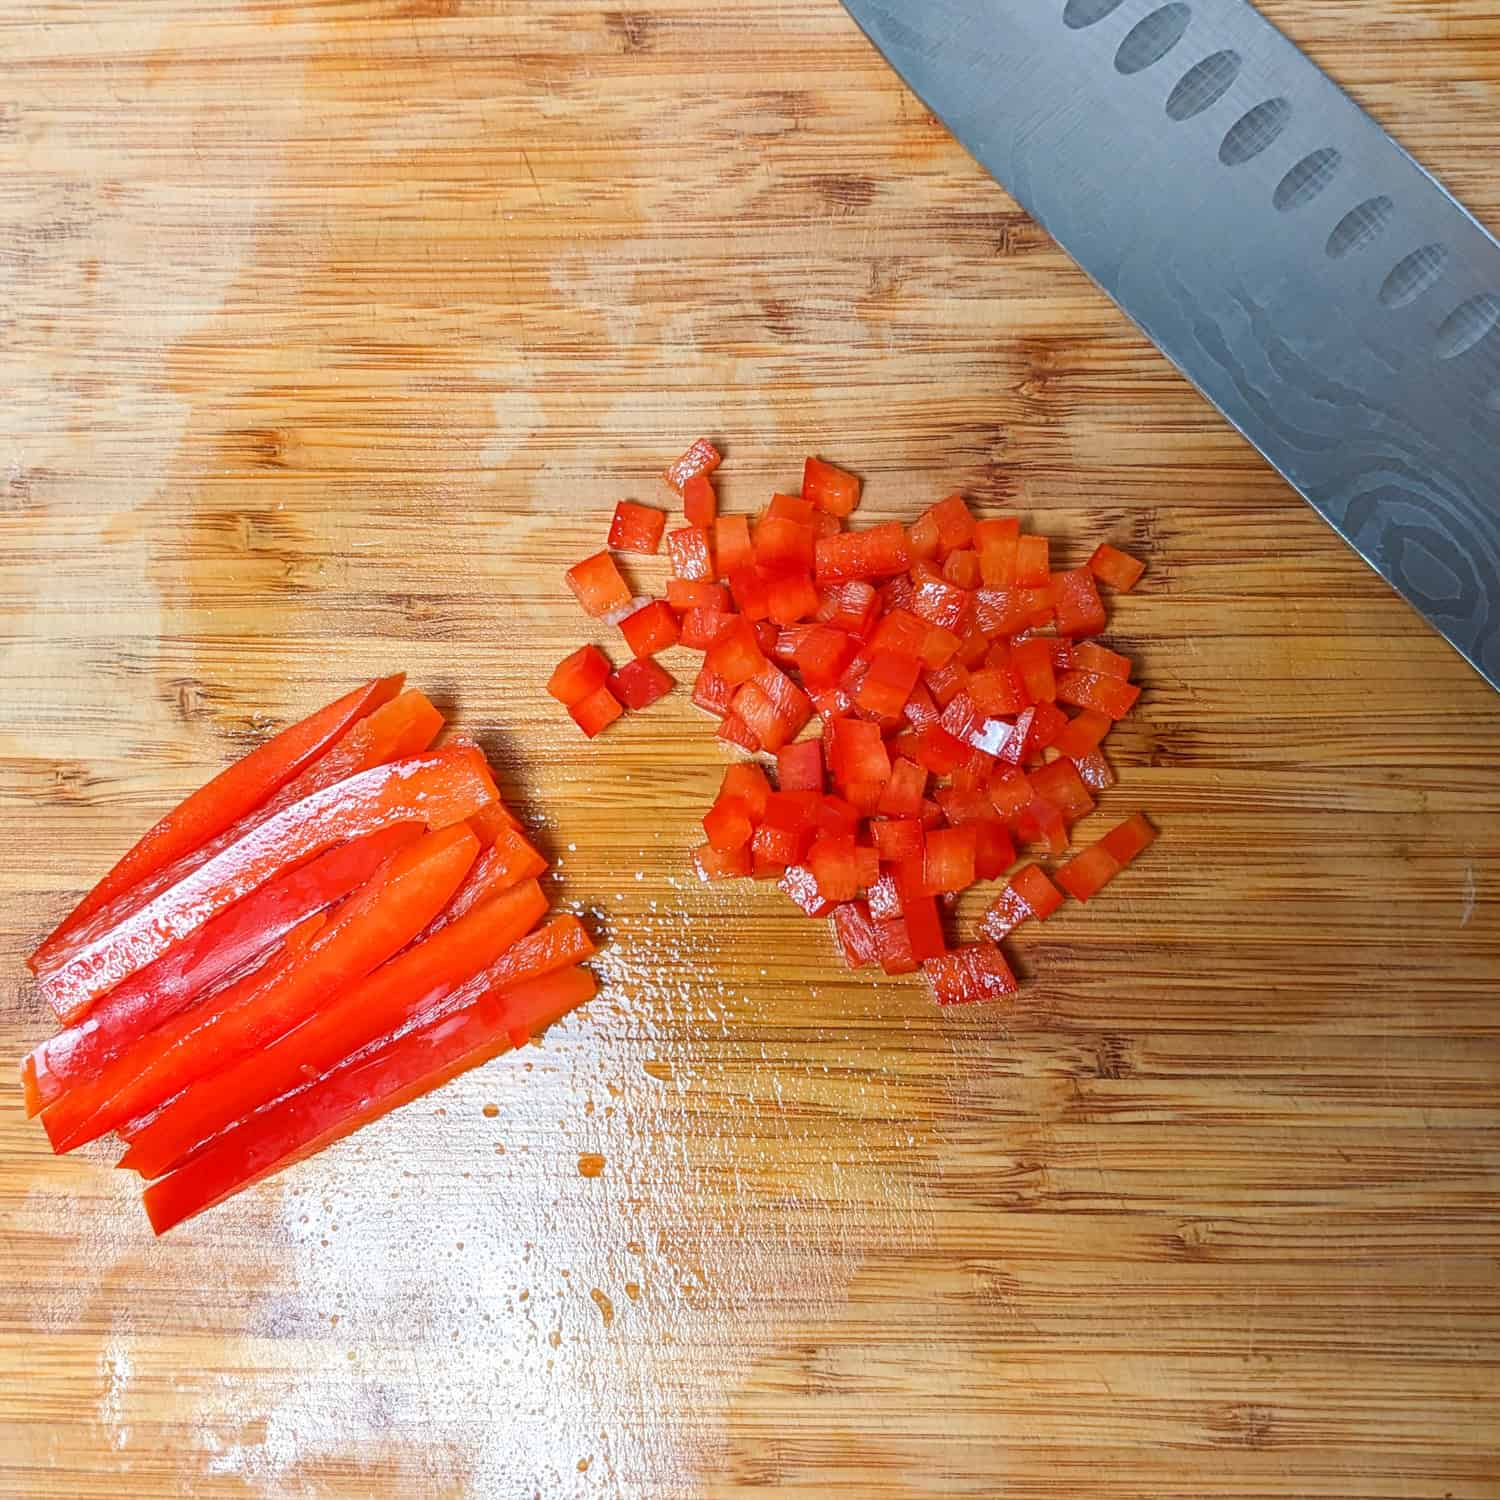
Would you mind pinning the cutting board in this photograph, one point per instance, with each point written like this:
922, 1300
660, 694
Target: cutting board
331, 335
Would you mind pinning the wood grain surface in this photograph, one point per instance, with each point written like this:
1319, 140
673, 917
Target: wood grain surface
329, 335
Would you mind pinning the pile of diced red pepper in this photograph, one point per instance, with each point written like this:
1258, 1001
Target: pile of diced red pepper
937, 660
336, 924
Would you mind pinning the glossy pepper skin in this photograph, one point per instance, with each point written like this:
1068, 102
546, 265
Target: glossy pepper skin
440, 788
230, 796
390, 1075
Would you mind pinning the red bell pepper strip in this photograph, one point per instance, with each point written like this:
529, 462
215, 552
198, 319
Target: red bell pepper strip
408, 1066
222, 947
509, 860
440, 788
377, 921
410, 986
224, 801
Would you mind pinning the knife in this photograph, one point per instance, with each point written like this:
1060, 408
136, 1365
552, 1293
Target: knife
1307, 275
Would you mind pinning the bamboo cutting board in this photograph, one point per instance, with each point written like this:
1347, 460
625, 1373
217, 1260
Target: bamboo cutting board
329, 335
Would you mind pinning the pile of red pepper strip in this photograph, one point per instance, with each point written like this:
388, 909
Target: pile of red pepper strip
339, 922
910, 685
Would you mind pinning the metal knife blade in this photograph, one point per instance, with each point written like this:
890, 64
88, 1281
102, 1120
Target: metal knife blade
1316, 284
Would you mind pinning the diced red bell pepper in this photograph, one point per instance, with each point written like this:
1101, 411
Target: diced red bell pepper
948, 860
732, 544
691, 551
800, 766
1090, 656
578, 675
962, 569
684, 595
855, 606
884, 898
736, 655
1041, 822
924, 927
598, 584
939, 751
801, 885
998, 690
791, 597
855, 933
858, 754
1118, 569
748, 782
923, 537
955, 524
721, 864
830, 489
243, 934
964, 805
920, 708
1047, 722
637, 528
232, 795
1006, 612
898, 838
939, 648
640, 683
902, 632
1129, 839
792, 508
996, 541
728, 824
877, 553
823, 655
701, 458
735, 731
440, 789
783, 545
1086, 874
1032, 562
1009, 792
1029, 894
947, 683
893, 944
970, 976
650, 629
904, 790
1095, 770
700, 505
1076, 602
597, 712
1083, 733
1032, 659
888, 683
377, 921
994, 853
833, 863
941, 604
835, 815
702, 627
407, 1066
1062, 786
410, 987
711, 693
1109, 695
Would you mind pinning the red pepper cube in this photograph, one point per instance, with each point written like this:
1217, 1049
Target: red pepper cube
939, 647
888, 683
880, 552
824, 655
1000, 612
1083, 733
994, 853
970, 976
923, 537
684, 595
793, 707
700, 505
1032, 659
721, 864
1118, 569
893, 944
1076, 601
1040, 822
1127, 841
578, 675
1013, 752
898, 838
1090, 656
1047, 722
998, 690
955, 523
924, 928
995, 541
640, 683
1089, 690
859, 753
799, 767
948, 860
1062, 786
1029, 894
650, 629
784, 546
637, 528
898, 592
772, 725
748, 589
920, 708
903, 793
855, 934
939, 751
766, 854
691, 551
835, 815
864, 795
748, 783
793, 508
853, 607
702, 627
735, 731
732, 544
701, 458
1033, 570
791, 597
961, 569
736, 655
711, 693
947, 683
598, 584
1086, 874
1095, 770
964, 805
727, 823
830, 489
1009, 792
801, 885
832, 861
962, 718
596, 712
942, 604
1062, 654
789, 641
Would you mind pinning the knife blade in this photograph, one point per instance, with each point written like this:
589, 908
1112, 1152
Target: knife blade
1322, 289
